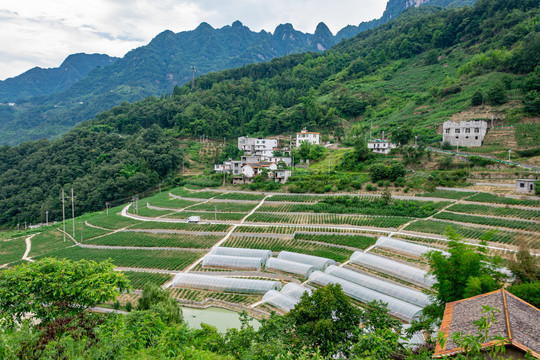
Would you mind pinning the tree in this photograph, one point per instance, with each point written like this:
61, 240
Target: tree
52, 288
524, 265
325, 320
402, 135
477, 99
156, 298
496, 94
465, 272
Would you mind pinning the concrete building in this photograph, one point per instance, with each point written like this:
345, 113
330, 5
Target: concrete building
257, 146
526, 186
464, 133
379, 146
311, 137
254, 169
282, 176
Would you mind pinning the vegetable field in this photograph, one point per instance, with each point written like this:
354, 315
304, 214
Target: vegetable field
113, 220
194, 194
494, 199
336, 253
241, 196
154, 259
200, 295
139, 279
223, 207
208, 215
447, 194
47, 241
510, 224
495, 211
150, 225
144, 211
334, 219
141, 239
12, 250
355, 241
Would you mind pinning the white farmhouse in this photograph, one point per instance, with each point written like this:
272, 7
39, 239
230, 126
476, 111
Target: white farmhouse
464, 133
257, 146
379, 146
311, 137
253, 169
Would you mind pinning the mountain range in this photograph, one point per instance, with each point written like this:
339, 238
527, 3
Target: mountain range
48, 102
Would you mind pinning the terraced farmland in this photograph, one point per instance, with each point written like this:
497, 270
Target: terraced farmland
501, 223
144, 239
208, 215
495, 211
330, 219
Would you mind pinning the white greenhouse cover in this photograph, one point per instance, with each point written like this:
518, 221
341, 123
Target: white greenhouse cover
405, 247
229, 251
279, 300
232, 262
400, 292
319, 262
290, 267
394, 268
221, 283
295, 290
398, 308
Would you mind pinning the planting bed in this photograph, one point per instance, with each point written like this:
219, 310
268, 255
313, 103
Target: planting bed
140, 239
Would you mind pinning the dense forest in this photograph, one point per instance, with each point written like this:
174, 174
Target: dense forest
418, 70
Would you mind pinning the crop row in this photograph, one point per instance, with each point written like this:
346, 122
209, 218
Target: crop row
439, 227
154, 225
88, 232
144, 211
447, 194
494, 199
495, 211
208, 215
194, 194
140, 239
149, 259
481, 220
112, 221
334, 219
356, 241
163, 200
289, 229
139, 279
295, 198
223, 207
241, 196
338, 254
199, 295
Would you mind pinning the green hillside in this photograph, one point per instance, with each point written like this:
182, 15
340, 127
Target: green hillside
416, 71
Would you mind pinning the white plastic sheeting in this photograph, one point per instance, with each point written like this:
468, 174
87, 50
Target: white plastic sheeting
279, 300
295, 290
318, 262
416, 339
290, 267
394, 268
405, 247
221, 283
229, 251
396, 307
233, 262
397, 291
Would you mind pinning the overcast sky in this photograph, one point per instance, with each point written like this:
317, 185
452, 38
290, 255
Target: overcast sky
44, 32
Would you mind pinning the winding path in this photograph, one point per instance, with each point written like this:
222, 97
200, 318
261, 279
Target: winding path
28, 242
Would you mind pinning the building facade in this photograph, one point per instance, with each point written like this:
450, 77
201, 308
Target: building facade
464, 133
526, 186
313, 138
257, 146
379, 146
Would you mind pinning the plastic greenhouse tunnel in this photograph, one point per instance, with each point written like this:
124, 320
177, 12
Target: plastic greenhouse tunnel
401, 309
295, 290
279, 300
394, 268
222, 283
228, 251
291, 267
405, 247
233, 262
320, 263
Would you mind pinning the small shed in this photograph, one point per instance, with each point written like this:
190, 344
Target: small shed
526, 186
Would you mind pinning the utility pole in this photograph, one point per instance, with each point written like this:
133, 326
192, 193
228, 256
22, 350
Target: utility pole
509, 152
82, 231
73, 212
47, 217
492, 121
215, 213
192, 78
107, 207
63, 215
223, 142
415, 139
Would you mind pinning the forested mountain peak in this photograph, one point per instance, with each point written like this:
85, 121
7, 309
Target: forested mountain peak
323, 38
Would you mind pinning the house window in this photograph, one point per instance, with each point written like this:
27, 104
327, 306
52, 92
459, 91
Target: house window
522, 185
457, 137
457, 131
476, 130
448, 131
476, 138
467, 131
466, 137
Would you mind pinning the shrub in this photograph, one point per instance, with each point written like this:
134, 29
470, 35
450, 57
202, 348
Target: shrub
477, 98
496, 94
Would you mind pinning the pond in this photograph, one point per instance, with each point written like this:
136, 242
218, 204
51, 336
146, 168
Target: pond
222, 319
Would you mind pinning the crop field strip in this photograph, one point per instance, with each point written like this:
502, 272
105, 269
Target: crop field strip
112, 221
447, 194
194, 194
241, 196
208, 215
495, 211
201, 295
88, 232
295, 198
494, 199
295, 228
156, 225
331, 219
480, 220
501, 236
355, 241
223, 207
146, 212
155, 259
48, 241
139, 278
403, 258
140, 239
275, 245
12, 250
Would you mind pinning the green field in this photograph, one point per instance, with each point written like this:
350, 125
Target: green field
330, 219
149, 259
494, 199
112, 221
12, 250
241, 196
495, 211
139, 279
141, 239
338, 254
208, 215
355, 241
146, 225
447, 194
510, 224
48, 241
223, 207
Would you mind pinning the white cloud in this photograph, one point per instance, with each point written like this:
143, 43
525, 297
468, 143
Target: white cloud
43, 33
